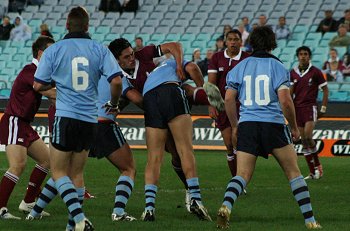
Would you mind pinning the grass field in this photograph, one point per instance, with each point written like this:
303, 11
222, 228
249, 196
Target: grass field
269, 204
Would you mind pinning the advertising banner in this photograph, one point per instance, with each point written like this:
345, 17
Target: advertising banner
332, 135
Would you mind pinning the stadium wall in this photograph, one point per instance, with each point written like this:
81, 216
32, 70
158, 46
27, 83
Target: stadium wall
332, 134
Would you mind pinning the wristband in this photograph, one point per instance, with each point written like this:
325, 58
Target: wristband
323, 109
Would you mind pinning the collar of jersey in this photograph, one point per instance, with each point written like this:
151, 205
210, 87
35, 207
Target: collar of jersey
264, 54
77, 35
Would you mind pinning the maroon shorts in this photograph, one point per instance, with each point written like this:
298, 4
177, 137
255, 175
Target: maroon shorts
305, 114
222, 122
14, 130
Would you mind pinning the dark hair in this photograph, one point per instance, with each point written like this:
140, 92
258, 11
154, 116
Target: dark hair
262, 38
139, 38
234, 31
78, 20
41, 44
303, 48
117, 46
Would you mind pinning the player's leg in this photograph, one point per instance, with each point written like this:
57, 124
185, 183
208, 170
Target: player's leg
195, 95
245, 168
309, 127
306, 151
123, 159
214, 96
39, 151
17, 159
287, 159
155, 140
181, 129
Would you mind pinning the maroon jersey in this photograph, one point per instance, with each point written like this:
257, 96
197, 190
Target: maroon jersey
24, 102
144, 65
306, 85
221, 64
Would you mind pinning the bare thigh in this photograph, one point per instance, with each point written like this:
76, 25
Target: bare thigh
17, 158
39, 151
288, 160
123, 160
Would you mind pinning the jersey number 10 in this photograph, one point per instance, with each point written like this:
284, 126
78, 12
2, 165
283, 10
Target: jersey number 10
77, 75
257, 88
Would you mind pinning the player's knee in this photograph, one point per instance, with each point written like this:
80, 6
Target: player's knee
44, 164
17, 169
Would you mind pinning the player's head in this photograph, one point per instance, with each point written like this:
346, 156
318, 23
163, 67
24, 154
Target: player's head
262, 38
233, 41
78, 20
123, 52
304, 55
40, 45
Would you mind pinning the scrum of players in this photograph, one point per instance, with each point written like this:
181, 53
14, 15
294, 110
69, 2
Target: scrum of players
113, 77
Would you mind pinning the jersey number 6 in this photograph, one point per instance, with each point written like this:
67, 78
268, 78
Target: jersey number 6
80, 79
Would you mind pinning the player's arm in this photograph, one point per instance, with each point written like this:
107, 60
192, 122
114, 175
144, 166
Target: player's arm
212, 78
135, 97
288, 110
175, 48
116, 89
40, 86
196, 75
324, 100
230, 106
231, 111
50, 94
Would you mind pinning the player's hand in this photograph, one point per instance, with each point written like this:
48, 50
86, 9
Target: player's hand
213, 113
180, 72
295, 134
111, 108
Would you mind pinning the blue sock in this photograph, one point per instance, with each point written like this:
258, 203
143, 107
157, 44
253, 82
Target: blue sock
302, 196
193, 188
234, 189
69, 195
150, 194
81, 192
122, 193
47, 194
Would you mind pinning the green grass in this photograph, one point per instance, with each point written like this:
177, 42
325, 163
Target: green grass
269, 204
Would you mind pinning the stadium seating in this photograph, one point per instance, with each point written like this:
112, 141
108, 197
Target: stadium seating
195, 23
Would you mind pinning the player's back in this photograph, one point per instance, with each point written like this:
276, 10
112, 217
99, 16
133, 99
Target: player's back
165, 72
76, 65
257, 79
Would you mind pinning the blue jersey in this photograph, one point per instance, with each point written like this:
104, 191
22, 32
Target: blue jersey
104, 95
76, 65
165, 72
257, 79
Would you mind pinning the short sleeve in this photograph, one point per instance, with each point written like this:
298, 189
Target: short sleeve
110, 66
281, 77
213, 64
126, 86
44, 71
232, 80
147, 53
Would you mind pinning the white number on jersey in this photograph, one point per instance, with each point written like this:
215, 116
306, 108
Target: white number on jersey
249, 88
77, 75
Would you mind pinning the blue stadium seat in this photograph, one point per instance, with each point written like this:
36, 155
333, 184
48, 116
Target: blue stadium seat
177, 29
102, 30
339, 96
131, 15
167, 22
161, 8
345, 87
5, 93
162, 29
294, 43
193, 29
133, 29
182, 22
156, 15
175, 8
171, 15
146, 37
147, 29
333, 86
152, 22
188, 37
173, 37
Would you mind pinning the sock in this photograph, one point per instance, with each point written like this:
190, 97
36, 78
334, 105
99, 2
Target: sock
150, 194
193, 187
234, 189
302, 196
47, 194
37, 177
315, 157
180, 173
310, 162
69, 195
71, 223
232, 162
8, 183
122, 193
200, 97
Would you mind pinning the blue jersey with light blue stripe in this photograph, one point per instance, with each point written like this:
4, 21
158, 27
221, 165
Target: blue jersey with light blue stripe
104, 95
257, 79
76, 65
165, 72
